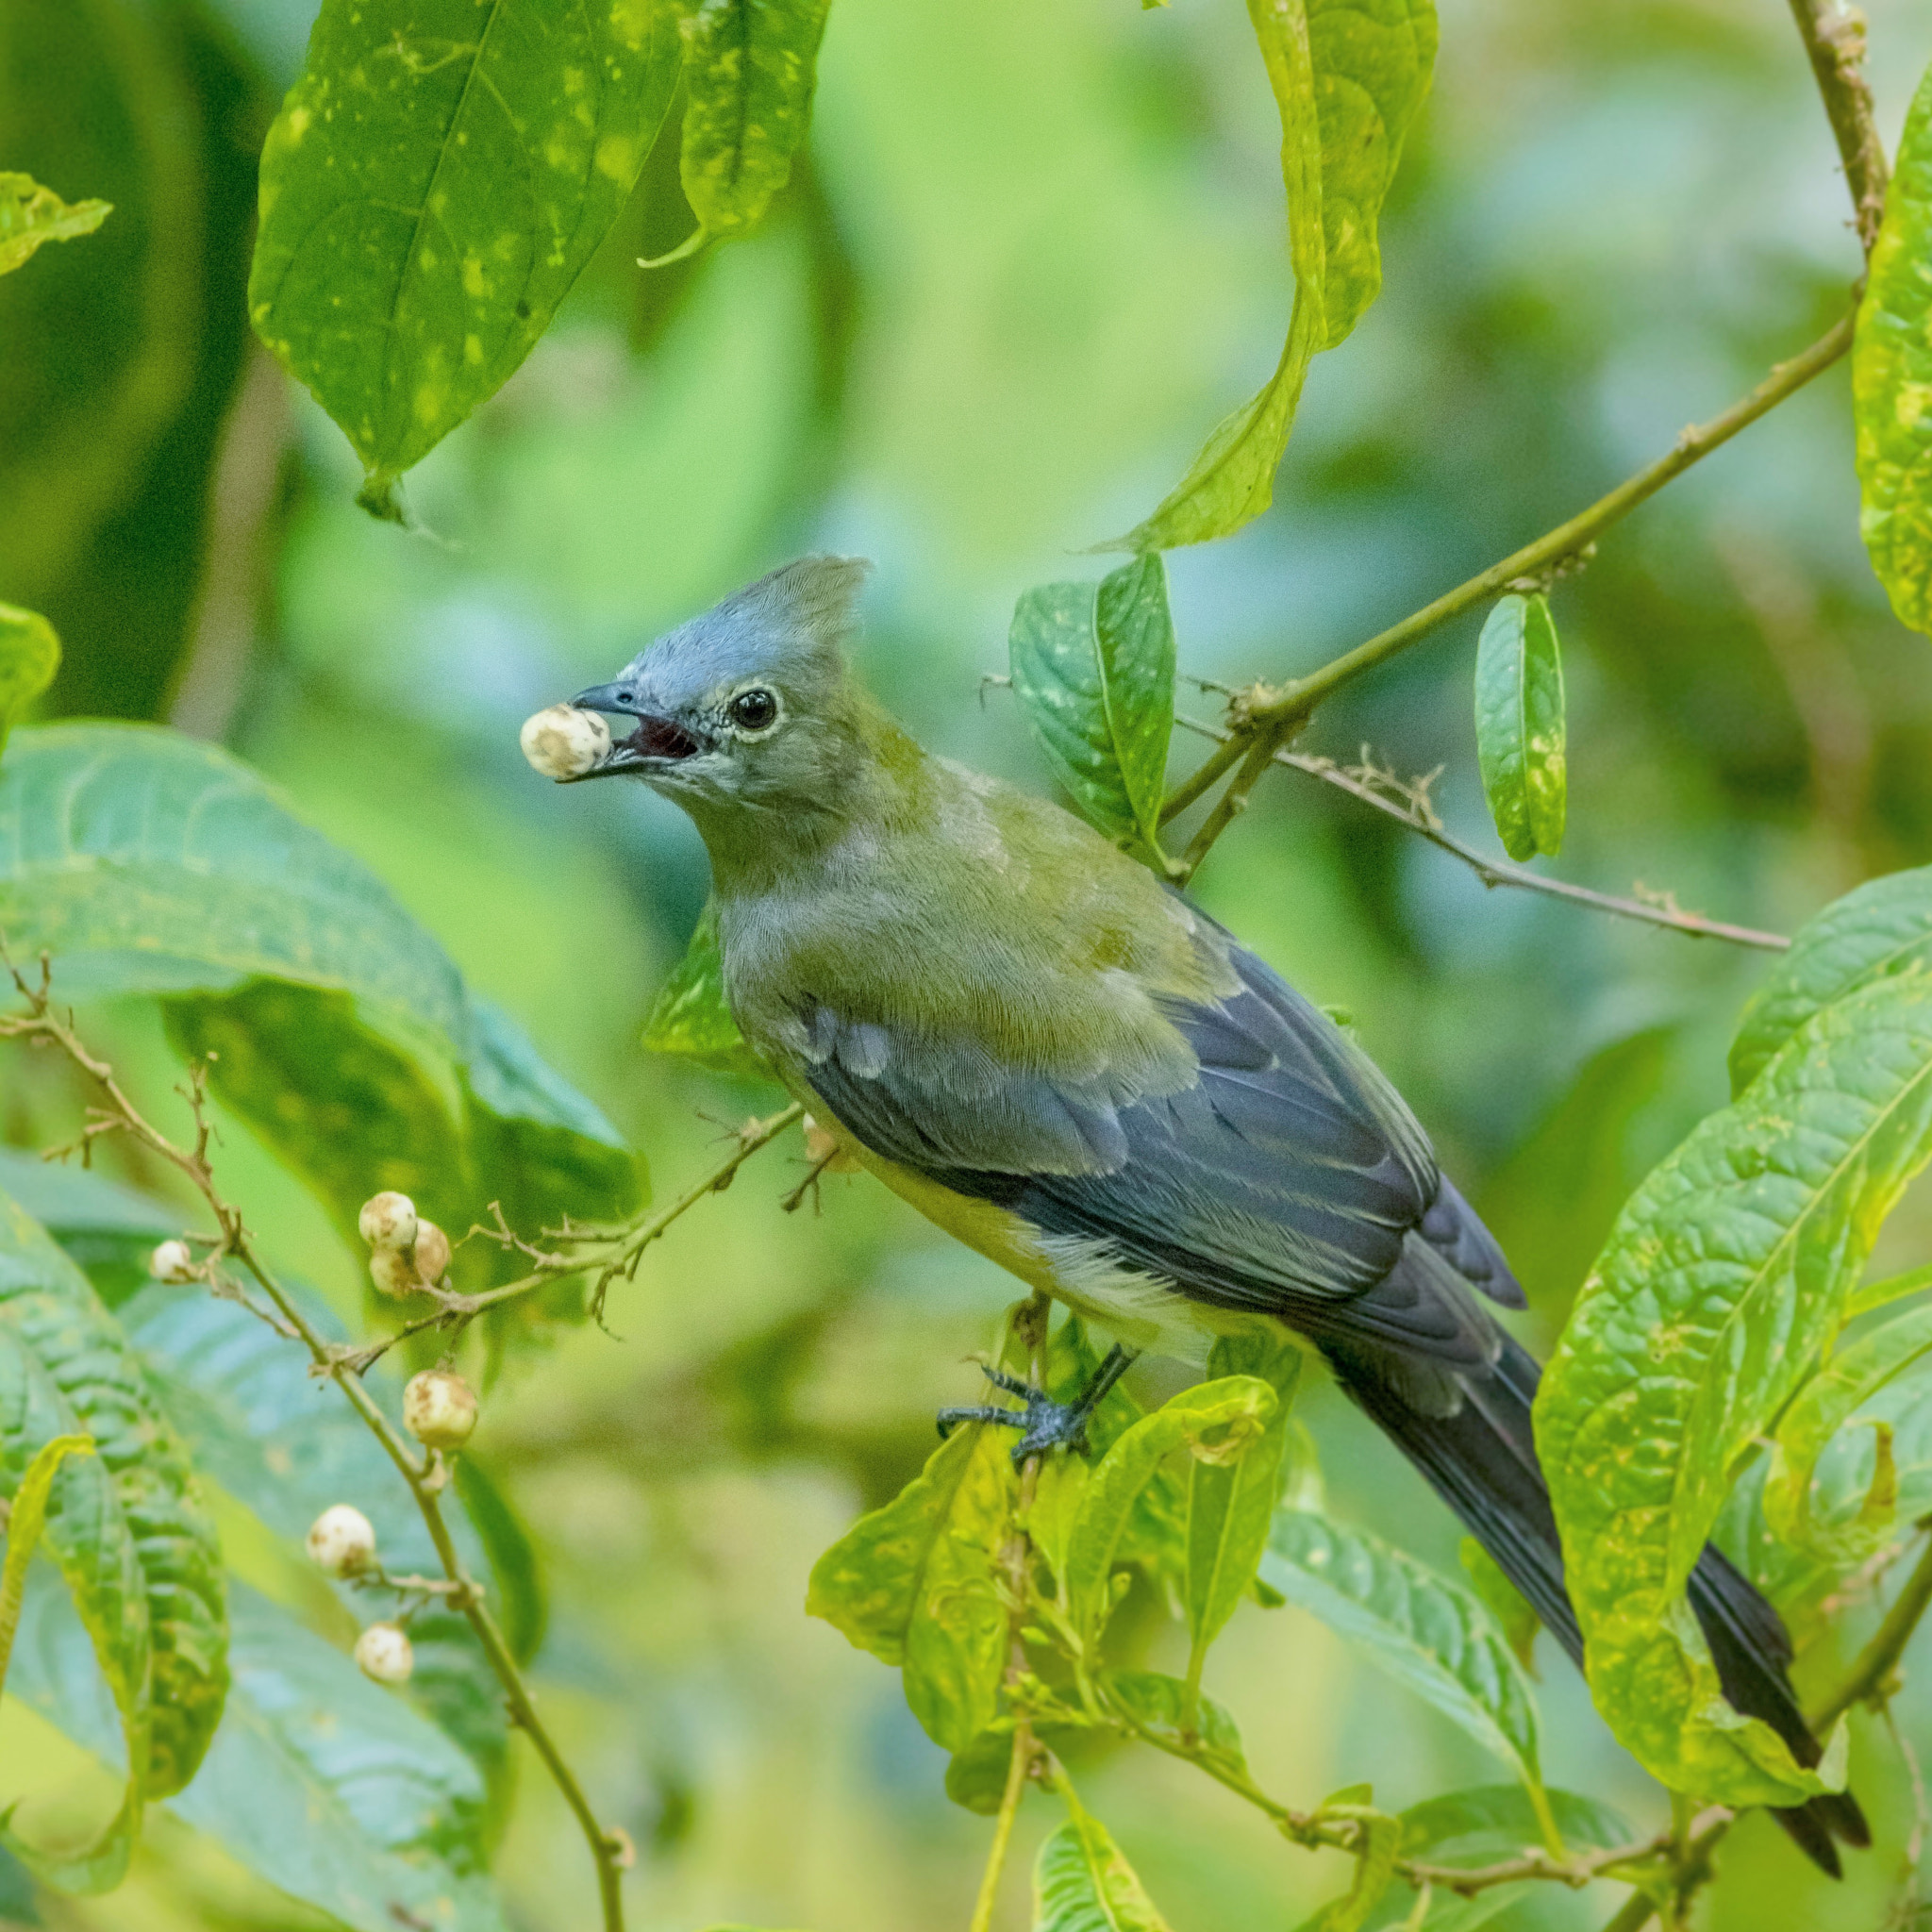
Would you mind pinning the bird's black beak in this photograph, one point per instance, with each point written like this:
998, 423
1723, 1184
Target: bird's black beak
654, 741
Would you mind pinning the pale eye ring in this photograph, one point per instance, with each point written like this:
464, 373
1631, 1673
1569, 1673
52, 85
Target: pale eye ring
753, 709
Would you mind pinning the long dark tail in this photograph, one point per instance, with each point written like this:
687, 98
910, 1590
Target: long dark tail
1482, 1461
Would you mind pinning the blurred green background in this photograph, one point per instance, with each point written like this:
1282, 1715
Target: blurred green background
1037, 250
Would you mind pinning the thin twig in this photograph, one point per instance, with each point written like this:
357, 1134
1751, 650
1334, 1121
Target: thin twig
1870, 1678
1278, 711
608, 1850
1375, 787
1834, 38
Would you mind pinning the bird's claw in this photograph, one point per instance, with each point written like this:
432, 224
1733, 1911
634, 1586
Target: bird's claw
1045, 1424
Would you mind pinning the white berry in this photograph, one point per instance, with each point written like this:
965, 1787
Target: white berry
432, 1252
341, 1541
173, 1262
388, 1219
439, 1409
565, 743
394, 1274
384, 1653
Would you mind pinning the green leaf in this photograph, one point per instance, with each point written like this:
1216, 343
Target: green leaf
1094, 666
30, 214
1161, 1705
1082, 1883
109, 1230
750, 66
1373, 63
435, 182
1891, 378
1230, 1504
1489, 1823
29, 651
27, 1517
1878, 929
1817, 1413
175, 1702
1375, 1866
1727, 1272
330, 1788
1217, 1422
1422, 1629
689, 1015
1518, 1623
145, 861
1518, 725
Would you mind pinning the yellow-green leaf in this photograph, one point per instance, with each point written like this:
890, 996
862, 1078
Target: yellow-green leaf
1891, 378
749, 70
27, 1517
1726, 1273
1083, 1883
690, 1017
435, 182
29, 655
30, 214
1519, 726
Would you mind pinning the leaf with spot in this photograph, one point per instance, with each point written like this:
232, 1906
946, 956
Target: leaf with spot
1083, 1883
1093, 665
916, 1583
30, 214
1891, 378
689, 1016
25, 1519
1726, 1276
147, 862
1877, 929
29, 655
750, 67
434, 184
1519, 724
1348, 77
1422, 1631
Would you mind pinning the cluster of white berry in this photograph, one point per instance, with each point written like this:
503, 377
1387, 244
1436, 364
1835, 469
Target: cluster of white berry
407, 1252
438, 1409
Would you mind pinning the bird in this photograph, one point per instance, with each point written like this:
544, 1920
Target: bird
1062, 1061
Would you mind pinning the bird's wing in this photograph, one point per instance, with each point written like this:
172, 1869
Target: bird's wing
1286, 1178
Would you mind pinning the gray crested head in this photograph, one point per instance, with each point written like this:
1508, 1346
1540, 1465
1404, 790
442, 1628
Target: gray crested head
747, 705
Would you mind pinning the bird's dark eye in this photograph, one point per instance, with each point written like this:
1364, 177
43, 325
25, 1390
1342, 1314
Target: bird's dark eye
754, 709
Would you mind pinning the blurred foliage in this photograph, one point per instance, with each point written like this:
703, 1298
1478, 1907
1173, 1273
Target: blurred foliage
1030, 253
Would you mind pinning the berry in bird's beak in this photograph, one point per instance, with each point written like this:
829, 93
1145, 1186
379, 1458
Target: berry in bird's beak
564, 741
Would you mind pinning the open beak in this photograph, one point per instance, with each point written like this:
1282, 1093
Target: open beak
652, 742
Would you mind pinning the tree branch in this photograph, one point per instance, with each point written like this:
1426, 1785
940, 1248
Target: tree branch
1275, 712
1834, 38
1408, 808
609, 1850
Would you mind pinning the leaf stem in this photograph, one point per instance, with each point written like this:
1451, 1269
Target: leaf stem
610, 1851
1274, 713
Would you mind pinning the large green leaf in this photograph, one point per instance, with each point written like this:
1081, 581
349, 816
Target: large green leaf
689, 1016
1082, 1883
434, 184
1181, 1716
1422, 1629
145, 861
1518, 725
1725, 1275
1219, 1422
329, 1787
1891, 378
1094, 666
1348, 77
29, 655
1373, 63
1877, 929
47, 1304
30, 214
750, 67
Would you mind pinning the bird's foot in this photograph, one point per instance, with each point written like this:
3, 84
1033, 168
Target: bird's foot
1043, 1424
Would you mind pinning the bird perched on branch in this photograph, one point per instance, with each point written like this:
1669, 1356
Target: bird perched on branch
1064, 1063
